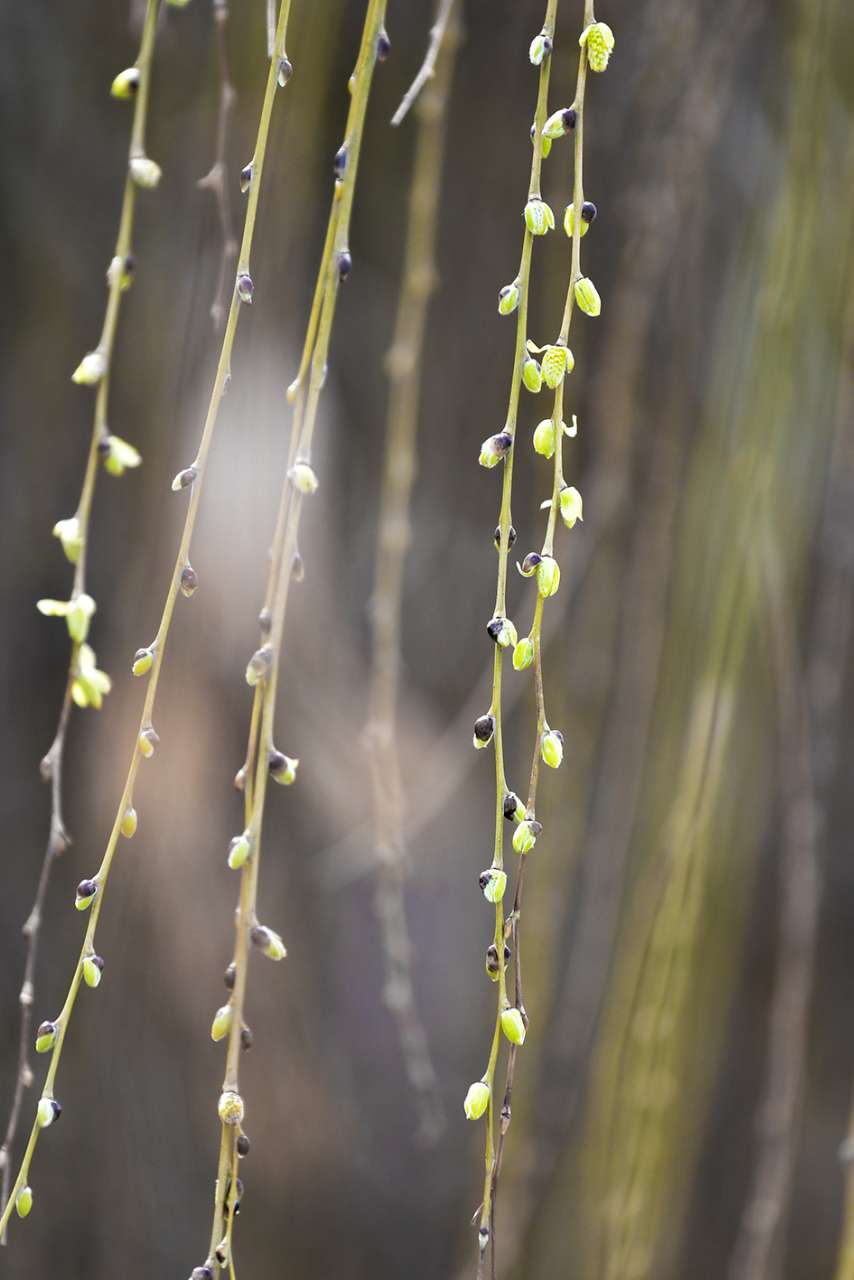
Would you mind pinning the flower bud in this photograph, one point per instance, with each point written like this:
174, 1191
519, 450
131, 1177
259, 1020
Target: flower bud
246, 178
551, 748
245, 1038
383, 46
560, 123
221, 1024
245, 287
121, 272
529, 565
502, 632
545, 438
303, 478
202, 1273
143, 661
514, 810
569, 222
86, 891
130, 822
495, 449
588, 212
47, 1111
90, 370
492, 966
185, 478
523, 654
493, 883
508, 299
230, 1107
93, 968
284, 72
242, 1145
268, 942
24, 1202
477, 1100
513, 1026
145, 172
599, 41
78, 616
525, 835
239, 851
570, 505
68, 532
345, 264
283, 769
126, 83
557, 361
484, 728
188, 581
532, 374
587, 296
259, 665
548, 576
118, 455
541, 47
539, 218
147, 742
46, 1037
511, 537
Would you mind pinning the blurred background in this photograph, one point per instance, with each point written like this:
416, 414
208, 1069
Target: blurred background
684, 1090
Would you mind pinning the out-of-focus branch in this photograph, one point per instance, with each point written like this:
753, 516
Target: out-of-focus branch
216, 179
428, 66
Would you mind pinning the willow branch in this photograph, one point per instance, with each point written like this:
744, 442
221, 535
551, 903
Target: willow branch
216, 179
428, 67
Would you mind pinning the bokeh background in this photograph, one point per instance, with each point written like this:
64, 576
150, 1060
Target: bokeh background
685, 1086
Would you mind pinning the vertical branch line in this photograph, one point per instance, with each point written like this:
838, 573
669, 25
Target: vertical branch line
216, 179
403, 367
300, 481
91, 891
119, 278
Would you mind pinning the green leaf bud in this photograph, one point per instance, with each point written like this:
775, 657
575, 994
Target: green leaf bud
523, 654
545, 438
303, 478
148, 742
130, 822
570, 505
477, 1100
188, 581
144, 172
118, 455
143, 661
569, 222
554, 366
283, 769
121, 272
587, 296
126, 83
90, 370
532, 374
24, 1202
514, 810
495, 449
541, 47
560, 123
508, 299
239, 851
551, 748
86, 891
513, 1026
502, 632
178, 4
548, 576
546, 146
525, 835
599, 41
47, 1111
222, 1021
93, 968
185, 478
528, 567
539, 218
268, 942
493, 882
46, 1037
230, 1107
69, 534
89, 684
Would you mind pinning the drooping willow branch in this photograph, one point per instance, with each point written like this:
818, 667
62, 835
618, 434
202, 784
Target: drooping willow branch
557, 362
85, 685
148, 661
428, 67
403, 365
216, 179
263, 757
